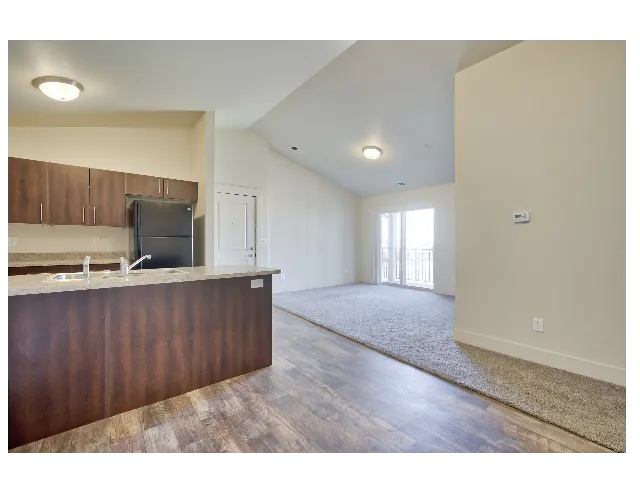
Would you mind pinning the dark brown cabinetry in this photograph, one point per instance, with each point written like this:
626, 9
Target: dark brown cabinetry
181, 190
68, 195
106, 198
28, 191
57, 194
143, 185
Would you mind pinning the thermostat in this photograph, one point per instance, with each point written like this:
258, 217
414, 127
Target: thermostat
520, 217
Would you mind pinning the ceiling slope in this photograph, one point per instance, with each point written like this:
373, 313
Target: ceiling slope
397, 95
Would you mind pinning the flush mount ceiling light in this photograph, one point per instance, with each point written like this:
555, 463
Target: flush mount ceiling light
371, 152
58, 88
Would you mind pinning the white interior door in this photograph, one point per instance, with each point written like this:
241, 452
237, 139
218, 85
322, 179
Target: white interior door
236, 229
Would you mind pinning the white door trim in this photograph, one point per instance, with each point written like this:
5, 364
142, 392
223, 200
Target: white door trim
262, 251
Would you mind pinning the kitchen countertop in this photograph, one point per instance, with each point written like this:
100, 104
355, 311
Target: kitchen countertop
35, 284
62, 258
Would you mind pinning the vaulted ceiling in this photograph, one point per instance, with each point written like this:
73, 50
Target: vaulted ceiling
397, 95
328, 98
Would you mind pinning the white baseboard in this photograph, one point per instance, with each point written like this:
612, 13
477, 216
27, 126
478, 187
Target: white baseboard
596, 370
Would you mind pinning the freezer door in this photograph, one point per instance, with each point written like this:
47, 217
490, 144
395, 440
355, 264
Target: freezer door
163, 219
166, 252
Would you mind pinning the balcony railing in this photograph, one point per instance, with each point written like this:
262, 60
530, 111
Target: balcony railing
418, 265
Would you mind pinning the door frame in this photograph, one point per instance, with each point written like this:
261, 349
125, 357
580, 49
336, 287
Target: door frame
262, 257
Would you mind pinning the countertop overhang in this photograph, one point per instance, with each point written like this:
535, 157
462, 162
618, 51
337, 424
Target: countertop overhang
36, 284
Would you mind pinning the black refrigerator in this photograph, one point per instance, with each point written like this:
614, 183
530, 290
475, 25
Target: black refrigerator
163, 230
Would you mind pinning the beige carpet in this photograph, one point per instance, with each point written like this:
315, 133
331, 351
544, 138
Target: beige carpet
416, 327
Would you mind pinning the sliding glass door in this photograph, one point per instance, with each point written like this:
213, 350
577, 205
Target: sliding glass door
406, 248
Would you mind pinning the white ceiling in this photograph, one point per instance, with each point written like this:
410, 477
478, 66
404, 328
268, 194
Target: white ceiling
240, 80
397, 95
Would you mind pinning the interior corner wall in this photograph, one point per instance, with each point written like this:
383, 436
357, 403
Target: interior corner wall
311, 223
203, 157
441, 199
540, 127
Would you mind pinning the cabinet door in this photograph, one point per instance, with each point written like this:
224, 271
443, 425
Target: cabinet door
181, 190
143, 185
27, 191
68, 195
107, 200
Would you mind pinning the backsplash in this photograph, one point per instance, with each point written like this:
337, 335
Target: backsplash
67, 238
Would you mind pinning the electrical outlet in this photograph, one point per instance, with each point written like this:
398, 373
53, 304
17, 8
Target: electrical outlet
281, 275
538, 325
13, 241
257, 283
96, 240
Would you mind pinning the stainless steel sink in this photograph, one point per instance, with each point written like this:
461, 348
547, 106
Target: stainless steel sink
160, 271
64, 277
75, 277
115, 274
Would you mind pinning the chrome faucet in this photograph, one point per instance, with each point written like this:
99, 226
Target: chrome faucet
124, 268
85, 267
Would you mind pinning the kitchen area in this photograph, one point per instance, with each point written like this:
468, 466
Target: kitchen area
96, 333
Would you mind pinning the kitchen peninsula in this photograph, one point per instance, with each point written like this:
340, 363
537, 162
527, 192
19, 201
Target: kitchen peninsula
84, 350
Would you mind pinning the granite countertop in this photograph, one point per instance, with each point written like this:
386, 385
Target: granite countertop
62, 258
35, 284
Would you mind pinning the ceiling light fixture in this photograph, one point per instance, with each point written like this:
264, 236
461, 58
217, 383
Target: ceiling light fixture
58, 88
371, 152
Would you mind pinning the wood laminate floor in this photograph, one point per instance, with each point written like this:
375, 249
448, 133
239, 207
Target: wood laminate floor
323, 393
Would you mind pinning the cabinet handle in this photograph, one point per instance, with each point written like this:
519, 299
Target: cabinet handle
40, 213
94, 215
159, 185
167, 187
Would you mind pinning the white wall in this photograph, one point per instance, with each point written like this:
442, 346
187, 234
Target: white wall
441, 199
203, 157
541, 127
310, 224
162, 152
629, 245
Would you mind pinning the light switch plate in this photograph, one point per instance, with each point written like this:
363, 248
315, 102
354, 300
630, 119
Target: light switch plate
257, 283
13, 241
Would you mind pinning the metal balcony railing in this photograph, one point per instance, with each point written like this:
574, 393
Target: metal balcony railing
418, 265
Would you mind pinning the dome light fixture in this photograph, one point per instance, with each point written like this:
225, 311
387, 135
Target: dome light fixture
372, 152
58, 88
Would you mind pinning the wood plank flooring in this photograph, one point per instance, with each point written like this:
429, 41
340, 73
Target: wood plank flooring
323, 393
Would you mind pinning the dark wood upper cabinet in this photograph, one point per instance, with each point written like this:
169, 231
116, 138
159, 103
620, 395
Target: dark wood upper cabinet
27, 191
69, 195
143, 185
181, 190
106, 198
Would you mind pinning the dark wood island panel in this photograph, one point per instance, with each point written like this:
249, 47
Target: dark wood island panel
56, 363
167, 339
77, 357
